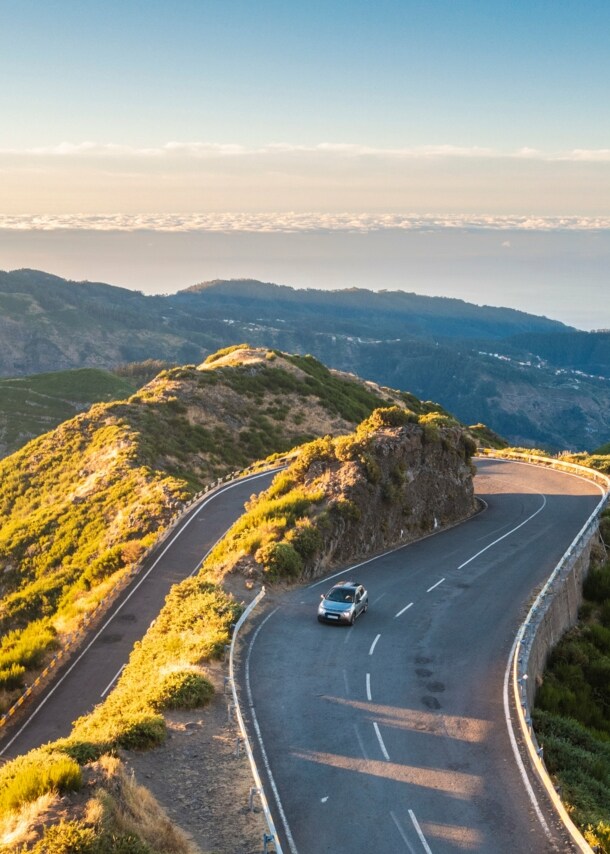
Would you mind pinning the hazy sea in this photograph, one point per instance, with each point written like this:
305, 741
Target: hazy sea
562, 274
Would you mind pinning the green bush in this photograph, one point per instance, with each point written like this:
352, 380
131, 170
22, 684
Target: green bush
280, 560
182, 690
596, 586
68, 837
305, 538
142, 732
28, 777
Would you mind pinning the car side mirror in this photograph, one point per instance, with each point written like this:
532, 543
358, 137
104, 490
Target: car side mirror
321, 596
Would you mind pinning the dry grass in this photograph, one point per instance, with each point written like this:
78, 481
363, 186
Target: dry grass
125, 807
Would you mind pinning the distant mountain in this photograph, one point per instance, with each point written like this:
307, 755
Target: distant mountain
533, 380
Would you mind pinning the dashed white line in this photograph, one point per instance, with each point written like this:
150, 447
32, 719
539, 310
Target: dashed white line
430, 589
406, 608
346, 683
112, 681
507, 534
361, 743
402, 833
422, 838
386, 755
369, 696
375, 601
373, 645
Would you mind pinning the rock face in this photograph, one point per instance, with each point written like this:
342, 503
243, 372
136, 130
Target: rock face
398, 477
415, 479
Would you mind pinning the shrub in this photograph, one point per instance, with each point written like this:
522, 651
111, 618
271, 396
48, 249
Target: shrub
598, 837
28, 777
142, 732
182, 690
67, 837
214, 357
305, 538
280, 559
596, 586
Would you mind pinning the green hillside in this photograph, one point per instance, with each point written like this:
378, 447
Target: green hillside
80, 504
33, 405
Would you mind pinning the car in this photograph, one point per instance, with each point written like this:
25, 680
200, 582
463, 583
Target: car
343, 603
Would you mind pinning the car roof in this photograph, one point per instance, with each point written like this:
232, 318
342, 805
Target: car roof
347, 584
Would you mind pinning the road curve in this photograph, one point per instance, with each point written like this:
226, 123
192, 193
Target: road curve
391, 736
89, 675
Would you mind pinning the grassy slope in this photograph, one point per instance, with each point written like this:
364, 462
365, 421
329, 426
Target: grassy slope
79, 505
33, 405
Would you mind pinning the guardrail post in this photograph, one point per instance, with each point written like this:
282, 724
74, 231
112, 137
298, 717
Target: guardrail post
254, 790
266, 840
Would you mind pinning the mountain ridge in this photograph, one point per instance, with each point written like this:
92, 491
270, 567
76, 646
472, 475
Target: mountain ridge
481, 363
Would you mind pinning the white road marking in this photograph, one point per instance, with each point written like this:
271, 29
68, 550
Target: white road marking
402, 833
375, 601
112, 681
386, 755
276, 794
361, 743
513, 742
348, 634
346, 683
507, 534
406, 608
430, 589
373, 645
50, 693
368, 687
420, 833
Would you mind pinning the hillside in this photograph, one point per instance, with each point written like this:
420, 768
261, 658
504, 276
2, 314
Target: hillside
33, 405
80, 504
534, 380
399, 475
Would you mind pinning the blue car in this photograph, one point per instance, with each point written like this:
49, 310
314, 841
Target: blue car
343, 603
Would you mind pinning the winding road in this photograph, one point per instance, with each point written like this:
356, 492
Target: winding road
391, 735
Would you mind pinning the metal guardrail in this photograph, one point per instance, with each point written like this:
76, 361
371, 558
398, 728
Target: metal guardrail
523, 698
272, 836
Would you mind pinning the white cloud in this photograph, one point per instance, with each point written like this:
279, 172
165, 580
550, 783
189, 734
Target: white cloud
207, 150
288, 222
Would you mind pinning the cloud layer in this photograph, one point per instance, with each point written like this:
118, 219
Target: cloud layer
208, 150
291, 223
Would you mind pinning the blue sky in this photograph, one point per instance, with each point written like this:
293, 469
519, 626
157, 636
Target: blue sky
504, 75
209, 117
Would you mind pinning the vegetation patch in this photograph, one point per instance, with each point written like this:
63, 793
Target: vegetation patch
571, 715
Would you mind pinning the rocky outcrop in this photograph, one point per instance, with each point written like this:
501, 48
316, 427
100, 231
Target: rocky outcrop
410, 481
397, 478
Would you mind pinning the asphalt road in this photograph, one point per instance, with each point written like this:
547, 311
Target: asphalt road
391, 736
90, 673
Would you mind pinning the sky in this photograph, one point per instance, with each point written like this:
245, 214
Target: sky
279, 127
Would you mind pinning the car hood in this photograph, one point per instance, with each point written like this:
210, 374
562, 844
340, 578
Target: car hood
337, 607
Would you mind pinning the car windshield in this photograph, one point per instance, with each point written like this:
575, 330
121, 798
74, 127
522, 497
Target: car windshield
339, 594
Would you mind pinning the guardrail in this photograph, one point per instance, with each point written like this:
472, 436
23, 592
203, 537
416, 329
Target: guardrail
73, 640
272, 836
531, 648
